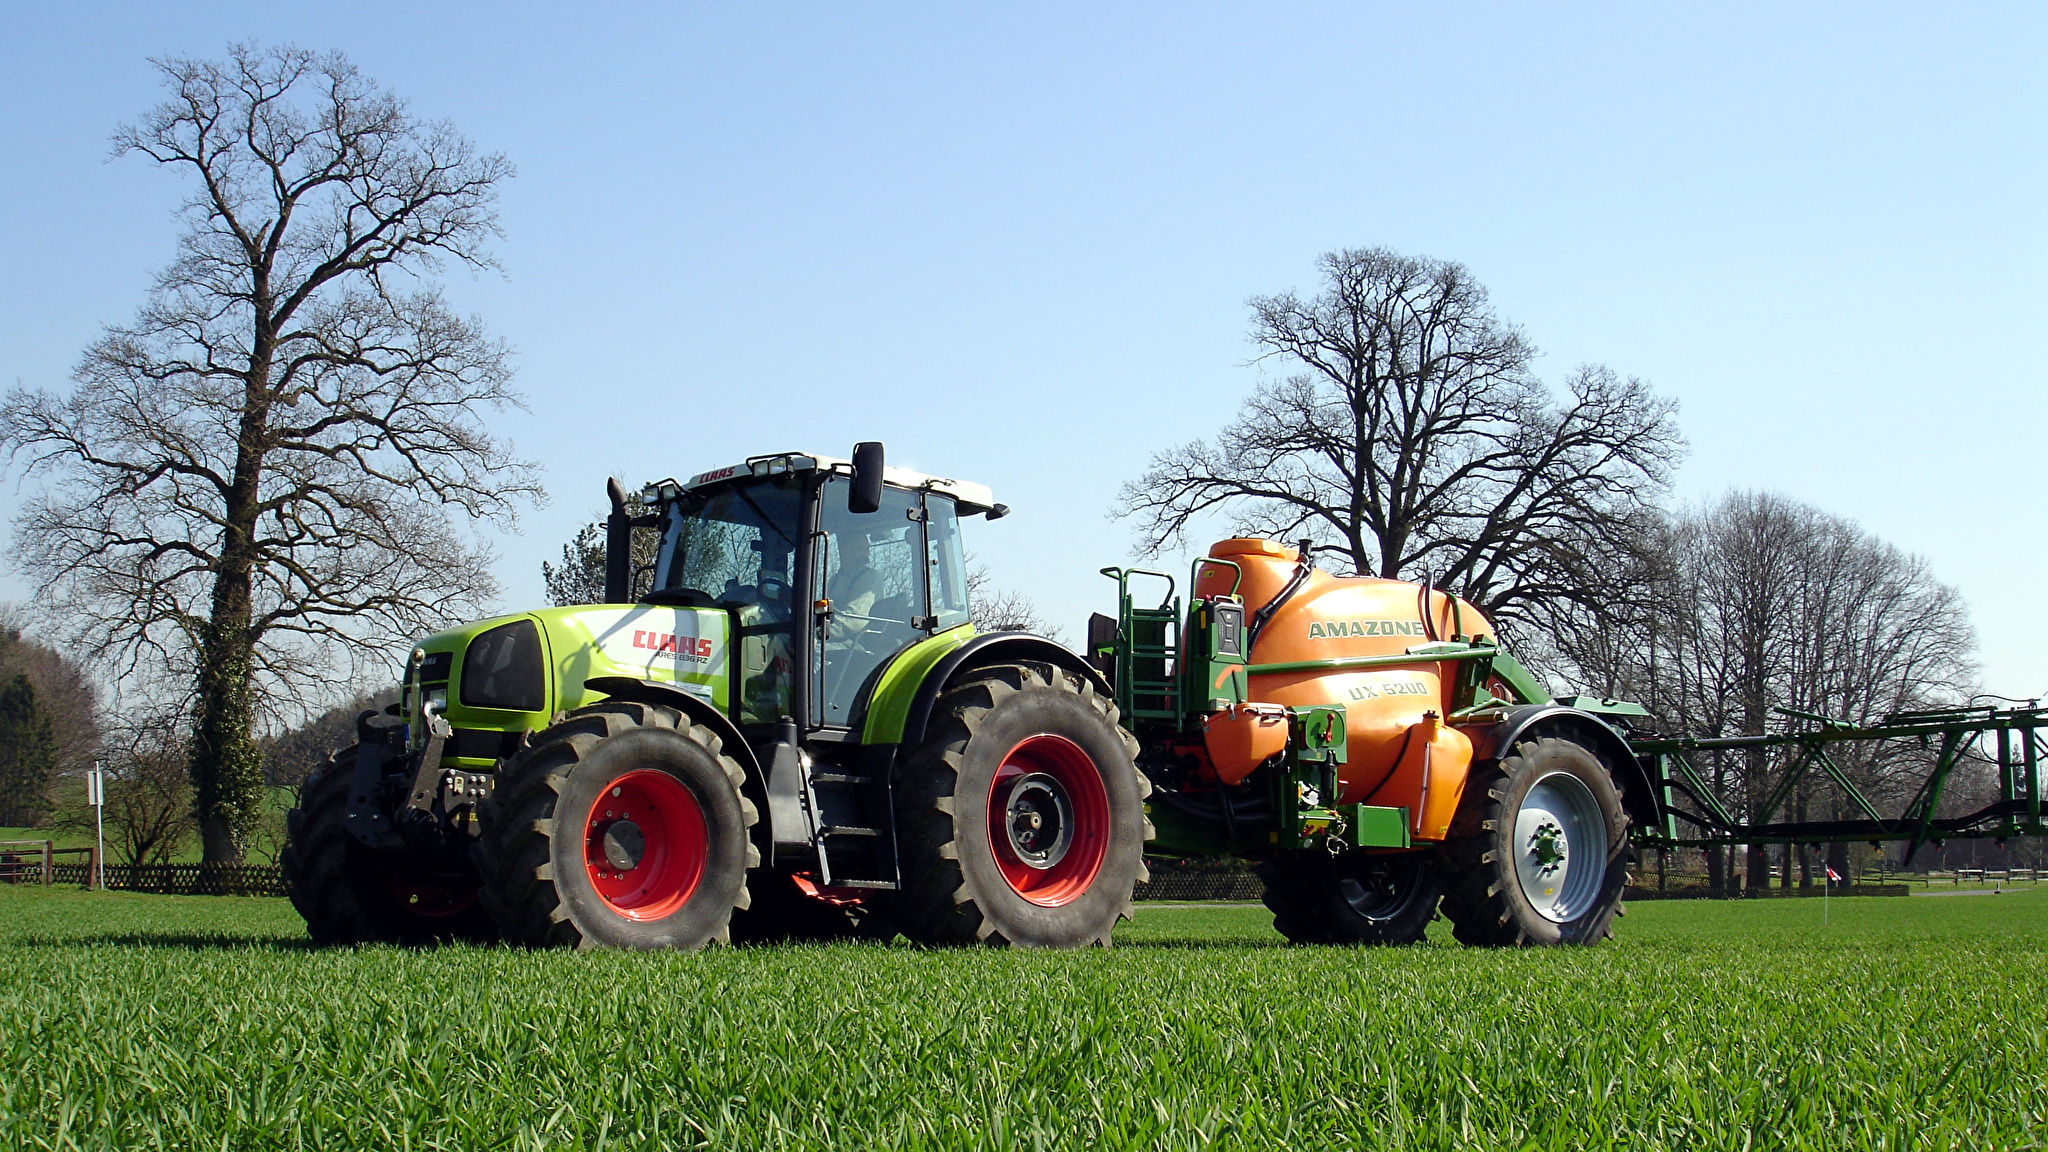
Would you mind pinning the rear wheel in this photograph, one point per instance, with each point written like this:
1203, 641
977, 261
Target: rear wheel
1538, 852
621, 826
1355, 898
1020, 820
350, 894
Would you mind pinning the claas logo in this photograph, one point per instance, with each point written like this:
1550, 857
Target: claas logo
681, 647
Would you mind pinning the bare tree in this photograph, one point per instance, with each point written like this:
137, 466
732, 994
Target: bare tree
1411, 438
251, 485
579, 578
1759, 602
994, 609
292, 755
149, 814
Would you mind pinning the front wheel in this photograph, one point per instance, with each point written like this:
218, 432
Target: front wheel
1355, 898
1538, 852
350, 894
1020, 820
622, 826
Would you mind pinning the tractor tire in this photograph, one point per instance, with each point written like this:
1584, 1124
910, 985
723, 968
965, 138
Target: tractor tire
1355, 898
622, 826
782, 912
1538, 850
350, 894
1020, 820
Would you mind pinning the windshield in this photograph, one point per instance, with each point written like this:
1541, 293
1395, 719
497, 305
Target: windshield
733, 540
734, 545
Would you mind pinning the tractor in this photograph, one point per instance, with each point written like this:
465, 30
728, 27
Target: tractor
789, 729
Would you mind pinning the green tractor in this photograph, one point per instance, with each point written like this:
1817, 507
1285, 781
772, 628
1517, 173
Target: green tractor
793, 732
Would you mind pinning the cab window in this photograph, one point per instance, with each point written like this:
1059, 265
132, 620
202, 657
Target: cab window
947, 563
872, 569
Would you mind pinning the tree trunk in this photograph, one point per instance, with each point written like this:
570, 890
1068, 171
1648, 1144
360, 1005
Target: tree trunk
226, 767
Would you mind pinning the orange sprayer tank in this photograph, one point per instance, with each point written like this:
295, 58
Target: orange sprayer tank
1400, 753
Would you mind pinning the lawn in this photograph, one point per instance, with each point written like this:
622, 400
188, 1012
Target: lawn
140, 1022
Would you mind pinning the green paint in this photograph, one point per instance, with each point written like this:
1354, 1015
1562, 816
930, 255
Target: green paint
1526, 686
1599, 706
687, 647
889, 705
1403, 659
1376, 827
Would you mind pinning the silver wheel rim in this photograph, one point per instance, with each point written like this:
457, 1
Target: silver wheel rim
1560, 847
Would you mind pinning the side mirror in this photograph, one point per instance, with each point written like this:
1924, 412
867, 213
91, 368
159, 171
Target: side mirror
865, 495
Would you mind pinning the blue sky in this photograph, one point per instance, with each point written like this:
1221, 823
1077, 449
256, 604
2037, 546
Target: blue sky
1016, 244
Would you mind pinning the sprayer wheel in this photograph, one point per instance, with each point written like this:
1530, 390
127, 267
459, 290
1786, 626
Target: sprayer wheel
1355, 898
1020, 820
622, 826
350, 894
1538, 851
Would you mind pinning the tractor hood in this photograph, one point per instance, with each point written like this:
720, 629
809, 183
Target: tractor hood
510, 674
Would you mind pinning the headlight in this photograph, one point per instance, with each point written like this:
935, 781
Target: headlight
504, 669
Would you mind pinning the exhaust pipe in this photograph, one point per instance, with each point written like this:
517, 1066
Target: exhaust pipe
618, 547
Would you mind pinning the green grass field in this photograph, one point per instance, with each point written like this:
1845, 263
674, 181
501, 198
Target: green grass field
144, 1022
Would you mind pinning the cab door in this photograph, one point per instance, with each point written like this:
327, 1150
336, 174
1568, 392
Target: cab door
873, 599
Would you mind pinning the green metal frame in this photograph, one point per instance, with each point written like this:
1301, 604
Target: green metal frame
1951, 735
1146, 652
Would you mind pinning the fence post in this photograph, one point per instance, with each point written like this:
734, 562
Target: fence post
96, 790
49, 862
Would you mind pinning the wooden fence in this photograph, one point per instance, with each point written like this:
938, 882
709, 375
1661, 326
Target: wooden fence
183, 879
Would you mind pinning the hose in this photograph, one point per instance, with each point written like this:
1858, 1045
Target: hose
1265, 613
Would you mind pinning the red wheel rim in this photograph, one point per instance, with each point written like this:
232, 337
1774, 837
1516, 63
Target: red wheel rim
645, 845
1048, 820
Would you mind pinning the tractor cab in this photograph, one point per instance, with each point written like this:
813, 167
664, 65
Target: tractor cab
827, 567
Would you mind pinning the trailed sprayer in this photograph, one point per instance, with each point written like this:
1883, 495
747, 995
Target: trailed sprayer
788, 729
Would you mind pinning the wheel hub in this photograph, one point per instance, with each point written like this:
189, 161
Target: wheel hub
624, 844
1048, 820
1040, 821
1548, 845
1557, 811
1381, 888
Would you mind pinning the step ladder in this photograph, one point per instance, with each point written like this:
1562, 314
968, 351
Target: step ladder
1147, 651
852, 817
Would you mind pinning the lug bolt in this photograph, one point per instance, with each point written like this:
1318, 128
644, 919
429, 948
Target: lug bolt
618, 791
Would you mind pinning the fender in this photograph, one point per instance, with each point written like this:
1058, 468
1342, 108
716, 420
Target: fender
990, 648
699, 712
1640, 796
